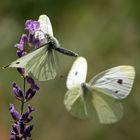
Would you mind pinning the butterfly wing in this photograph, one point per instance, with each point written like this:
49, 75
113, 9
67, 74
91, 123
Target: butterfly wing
22, 62
84, 103
74, 102
73, 99
78, 72
43, 66
78, 102
109, 110
116, 82
45, 25
40, 63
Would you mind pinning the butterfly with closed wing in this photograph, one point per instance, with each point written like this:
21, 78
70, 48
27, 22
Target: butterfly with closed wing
101, 95
42, 63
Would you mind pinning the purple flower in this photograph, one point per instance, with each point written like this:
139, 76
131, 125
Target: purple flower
21, 71
15, 129
32, 26
30, 94
13, 137
30, 39
27, 131
17, 91
31, 81
28, 119
25, 116
35, 37
23, 41
36, 42
21, 125
20, 131
15, 115
21, 53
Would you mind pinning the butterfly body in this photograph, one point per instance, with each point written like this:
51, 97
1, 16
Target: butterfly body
101, 95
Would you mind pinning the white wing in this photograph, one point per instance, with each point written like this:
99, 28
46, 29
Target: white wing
45, 25
40, 63
22, 62
109, 110
43, 66
116, 82
78, 73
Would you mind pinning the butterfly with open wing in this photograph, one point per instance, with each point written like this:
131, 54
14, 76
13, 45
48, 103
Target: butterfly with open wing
101, 95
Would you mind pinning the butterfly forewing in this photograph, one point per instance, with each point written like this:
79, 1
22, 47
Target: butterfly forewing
39, 63
78, 72
116, 82
45, 25
42, 67
22, 62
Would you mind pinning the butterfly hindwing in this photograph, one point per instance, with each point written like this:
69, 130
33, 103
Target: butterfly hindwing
79, 104
74, 103
42, 67
108, 109
116, 82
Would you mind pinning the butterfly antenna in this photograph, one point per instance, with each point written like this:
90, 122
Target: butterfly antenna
46, 12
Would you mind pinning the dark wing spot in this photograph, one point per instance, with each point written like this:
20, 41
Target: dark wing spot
17, 62
116, 91
120, 81
76, 73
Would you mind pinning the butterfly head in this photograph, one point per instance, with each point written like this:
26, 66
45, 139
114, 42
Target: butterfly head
86, 89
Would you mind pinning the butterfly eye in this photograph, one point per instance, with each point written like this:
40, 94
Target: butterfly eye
120, 81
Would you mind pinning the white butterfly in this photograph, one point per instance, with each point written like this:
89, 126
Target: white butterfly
42, 63
101, 94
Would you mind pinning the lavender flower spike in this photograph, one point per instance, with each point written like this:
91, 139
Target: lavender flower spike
21, 129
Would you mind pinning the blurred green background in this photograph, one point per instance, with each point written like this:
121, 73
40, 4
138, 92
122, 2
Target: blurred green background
106, 32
